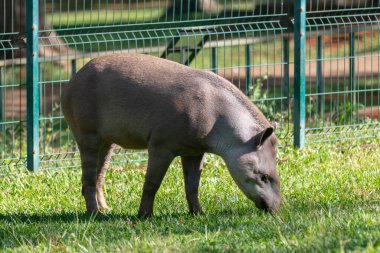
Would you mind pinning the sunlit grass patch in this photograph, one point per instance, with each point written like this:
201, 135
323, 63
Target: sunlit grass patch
331, 202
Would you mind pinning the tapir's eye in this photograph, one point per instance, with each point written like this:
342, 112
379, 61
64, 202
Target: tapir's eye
265, 178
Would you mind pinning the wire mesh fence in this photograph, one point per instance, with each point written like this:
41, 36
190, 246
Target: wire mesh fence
250, 43
342, 70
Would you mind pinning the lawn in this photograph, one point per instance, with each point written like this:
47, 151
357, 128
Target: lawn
331, 202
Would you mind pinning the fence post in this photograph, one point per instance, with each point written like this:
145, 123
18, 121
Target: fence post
299, 72
247, 68
285, 79
352, 73
1, 101
32, 86
320, 88
214, 59
73, 67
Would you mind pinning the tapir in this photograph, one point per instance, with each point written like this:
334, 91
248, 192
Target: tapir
144, 102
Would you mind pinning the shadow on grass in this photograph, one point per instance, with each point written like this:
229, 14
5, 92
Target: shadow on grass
62, 217
299, 207
22, 228
71, 217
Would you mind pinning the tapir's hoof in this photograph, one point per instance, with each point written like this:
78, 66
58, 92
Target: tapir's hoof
92, 210
104, 209
97, 215
144, 215
97, 209
93, 213
197, 212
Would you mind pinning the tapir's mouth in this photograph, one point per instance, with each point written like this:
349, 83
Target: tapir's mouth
271, 207
265, 204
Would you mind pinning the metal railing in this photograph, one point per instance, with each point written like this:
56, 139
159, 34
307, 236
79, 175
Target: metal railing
313, 66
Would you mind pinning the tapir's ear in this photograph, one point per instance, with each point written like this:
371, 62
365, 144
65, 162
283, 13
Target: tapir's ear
274, 125
264, 135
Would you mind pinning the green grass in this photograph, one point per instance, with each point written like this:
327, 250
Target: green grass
331, 202
103, 16
143, 12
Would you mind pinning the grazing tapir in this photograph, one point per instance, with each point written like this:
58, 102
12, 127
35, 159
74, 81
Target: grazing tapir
144, 102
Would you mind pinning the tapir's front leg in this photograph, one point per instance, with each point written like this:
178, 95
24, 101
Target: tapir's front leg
192, 168
158, 163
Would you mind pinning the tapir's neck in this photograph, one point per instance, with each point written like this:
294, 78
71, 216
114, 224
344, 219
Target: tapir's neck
234, 127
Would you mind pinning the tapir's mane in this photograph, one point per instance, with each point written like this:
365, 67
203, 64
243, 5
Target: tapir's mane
221, 82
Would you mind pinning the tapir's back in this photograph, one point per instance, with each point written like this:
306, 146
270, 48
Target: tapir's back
130, 99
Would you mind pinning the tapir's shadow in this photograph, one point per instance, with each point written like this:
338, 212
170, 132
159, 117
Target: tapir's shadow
68, 217
77, 216
65, 217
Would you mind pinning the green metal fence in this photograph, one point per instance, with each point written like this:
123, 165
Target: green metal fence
343, 70
313, 66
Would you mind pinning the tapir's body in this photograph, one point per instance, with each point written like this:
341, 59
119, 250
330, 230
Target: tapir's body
140, 101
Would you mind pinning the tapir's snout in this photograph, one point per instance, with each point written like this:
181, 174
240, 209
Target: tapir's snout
269, 200
270, 206
267, 197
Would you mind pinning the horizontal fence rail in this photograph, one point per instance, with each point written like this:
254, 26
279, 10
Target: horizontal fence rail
312, 66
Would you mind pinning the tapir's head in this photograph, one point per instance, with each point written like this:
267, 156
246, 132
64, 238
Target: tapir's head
253, 168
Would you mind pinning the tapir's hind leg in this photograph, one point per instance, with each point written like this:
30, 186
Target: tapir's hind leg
89, 150
94, 158
192, 168
158, 163
104, 157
